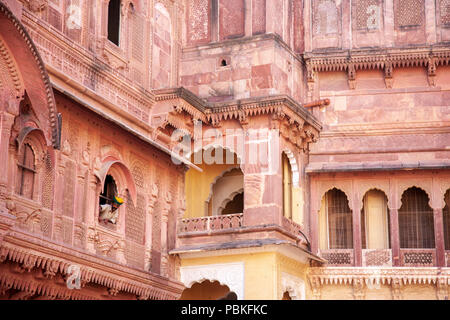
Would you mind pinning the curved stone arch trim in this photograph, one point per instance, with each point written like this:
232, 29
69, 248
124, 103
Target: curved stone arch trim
217, 145
294, 168
326, 186
364, 192
444, 188
229, 198
44, 76
12, 68
229, 274
129, 181
403, 186
217, 179
293, 285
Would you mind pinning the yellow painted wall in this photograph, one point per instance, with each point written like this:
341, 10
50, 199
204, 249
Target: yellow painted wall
292, 267
260, 272
198, 187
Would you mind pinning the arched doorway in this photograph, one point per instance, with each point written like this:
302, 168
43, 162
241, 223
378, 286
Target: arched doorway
219, 188
205, 290
375, 221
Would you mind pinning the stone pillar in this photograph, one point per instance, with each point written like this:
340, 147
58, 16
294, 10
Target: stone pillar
164, 223
439, 237
357, 244
91, 212
263, 200
59, 201
395, 237
148, 226
6, 122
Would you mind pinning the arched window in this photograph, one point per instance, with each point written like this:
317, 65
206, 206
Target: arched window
114, 21
375, 221
415, 219
109, 191
287, 186
26, 172
236, 205
108, 202
339, 220
446, 216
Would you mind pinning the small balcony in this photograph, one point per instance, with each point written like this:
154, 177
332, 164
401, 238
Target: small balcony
208, 225
383, 257
234, 228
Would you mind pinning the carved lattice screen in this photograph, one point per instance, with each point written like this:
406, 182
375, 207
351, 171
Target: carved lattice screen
415, 219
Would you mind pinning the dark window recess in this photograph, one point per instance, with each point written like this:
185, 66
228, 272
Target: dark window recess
26, 172
114, 21
109, 191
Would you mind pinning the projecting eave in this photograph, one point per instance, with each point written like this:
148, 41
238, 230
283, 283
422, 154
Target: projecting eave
376, 166
248, 246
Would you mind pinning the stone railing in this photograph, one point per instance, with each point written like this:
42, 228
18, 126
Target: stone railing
418, 257
338, 257
213, 223
377, 257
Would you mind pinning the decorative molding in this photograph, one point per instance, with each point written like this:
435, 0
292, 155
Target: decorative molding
95, 270
45, 78
387, 60
293, 285
230, 274
363, 279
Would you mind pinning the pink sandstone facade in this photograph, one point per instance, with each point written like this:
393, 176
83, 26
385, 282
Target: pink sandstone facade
354, 195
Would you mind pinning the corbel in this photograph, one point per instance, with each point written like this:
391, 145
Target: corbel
351, 73
388, 75
432, 66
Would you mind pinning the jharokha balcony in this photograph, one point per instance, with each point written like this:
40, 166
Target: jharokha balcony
231, 230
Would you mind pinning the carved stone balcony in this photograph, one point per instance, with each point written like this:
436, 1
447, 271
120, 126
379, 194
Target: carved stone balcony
229, 231
382, 257
208, 224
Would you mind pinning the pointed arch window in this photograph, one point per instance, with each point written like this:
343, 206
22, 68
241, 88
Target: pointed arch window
114, 21
415, 218
27, 172
339, 220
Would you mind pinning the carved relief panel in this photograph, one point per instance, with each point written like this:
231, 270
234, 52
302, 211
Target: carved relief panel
326, 23
368, 23
443, 20
409, 21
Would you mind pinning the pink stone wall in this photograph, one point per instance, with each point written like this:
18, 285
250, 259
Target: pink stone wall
162, 48
231, 19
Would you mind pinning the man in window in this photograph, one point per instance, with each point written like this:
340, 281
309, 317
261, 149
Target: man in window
108, 212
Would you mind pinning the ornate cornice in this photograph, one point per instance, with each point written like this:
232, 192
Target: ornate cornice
383, 275
31, 253
351, 61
